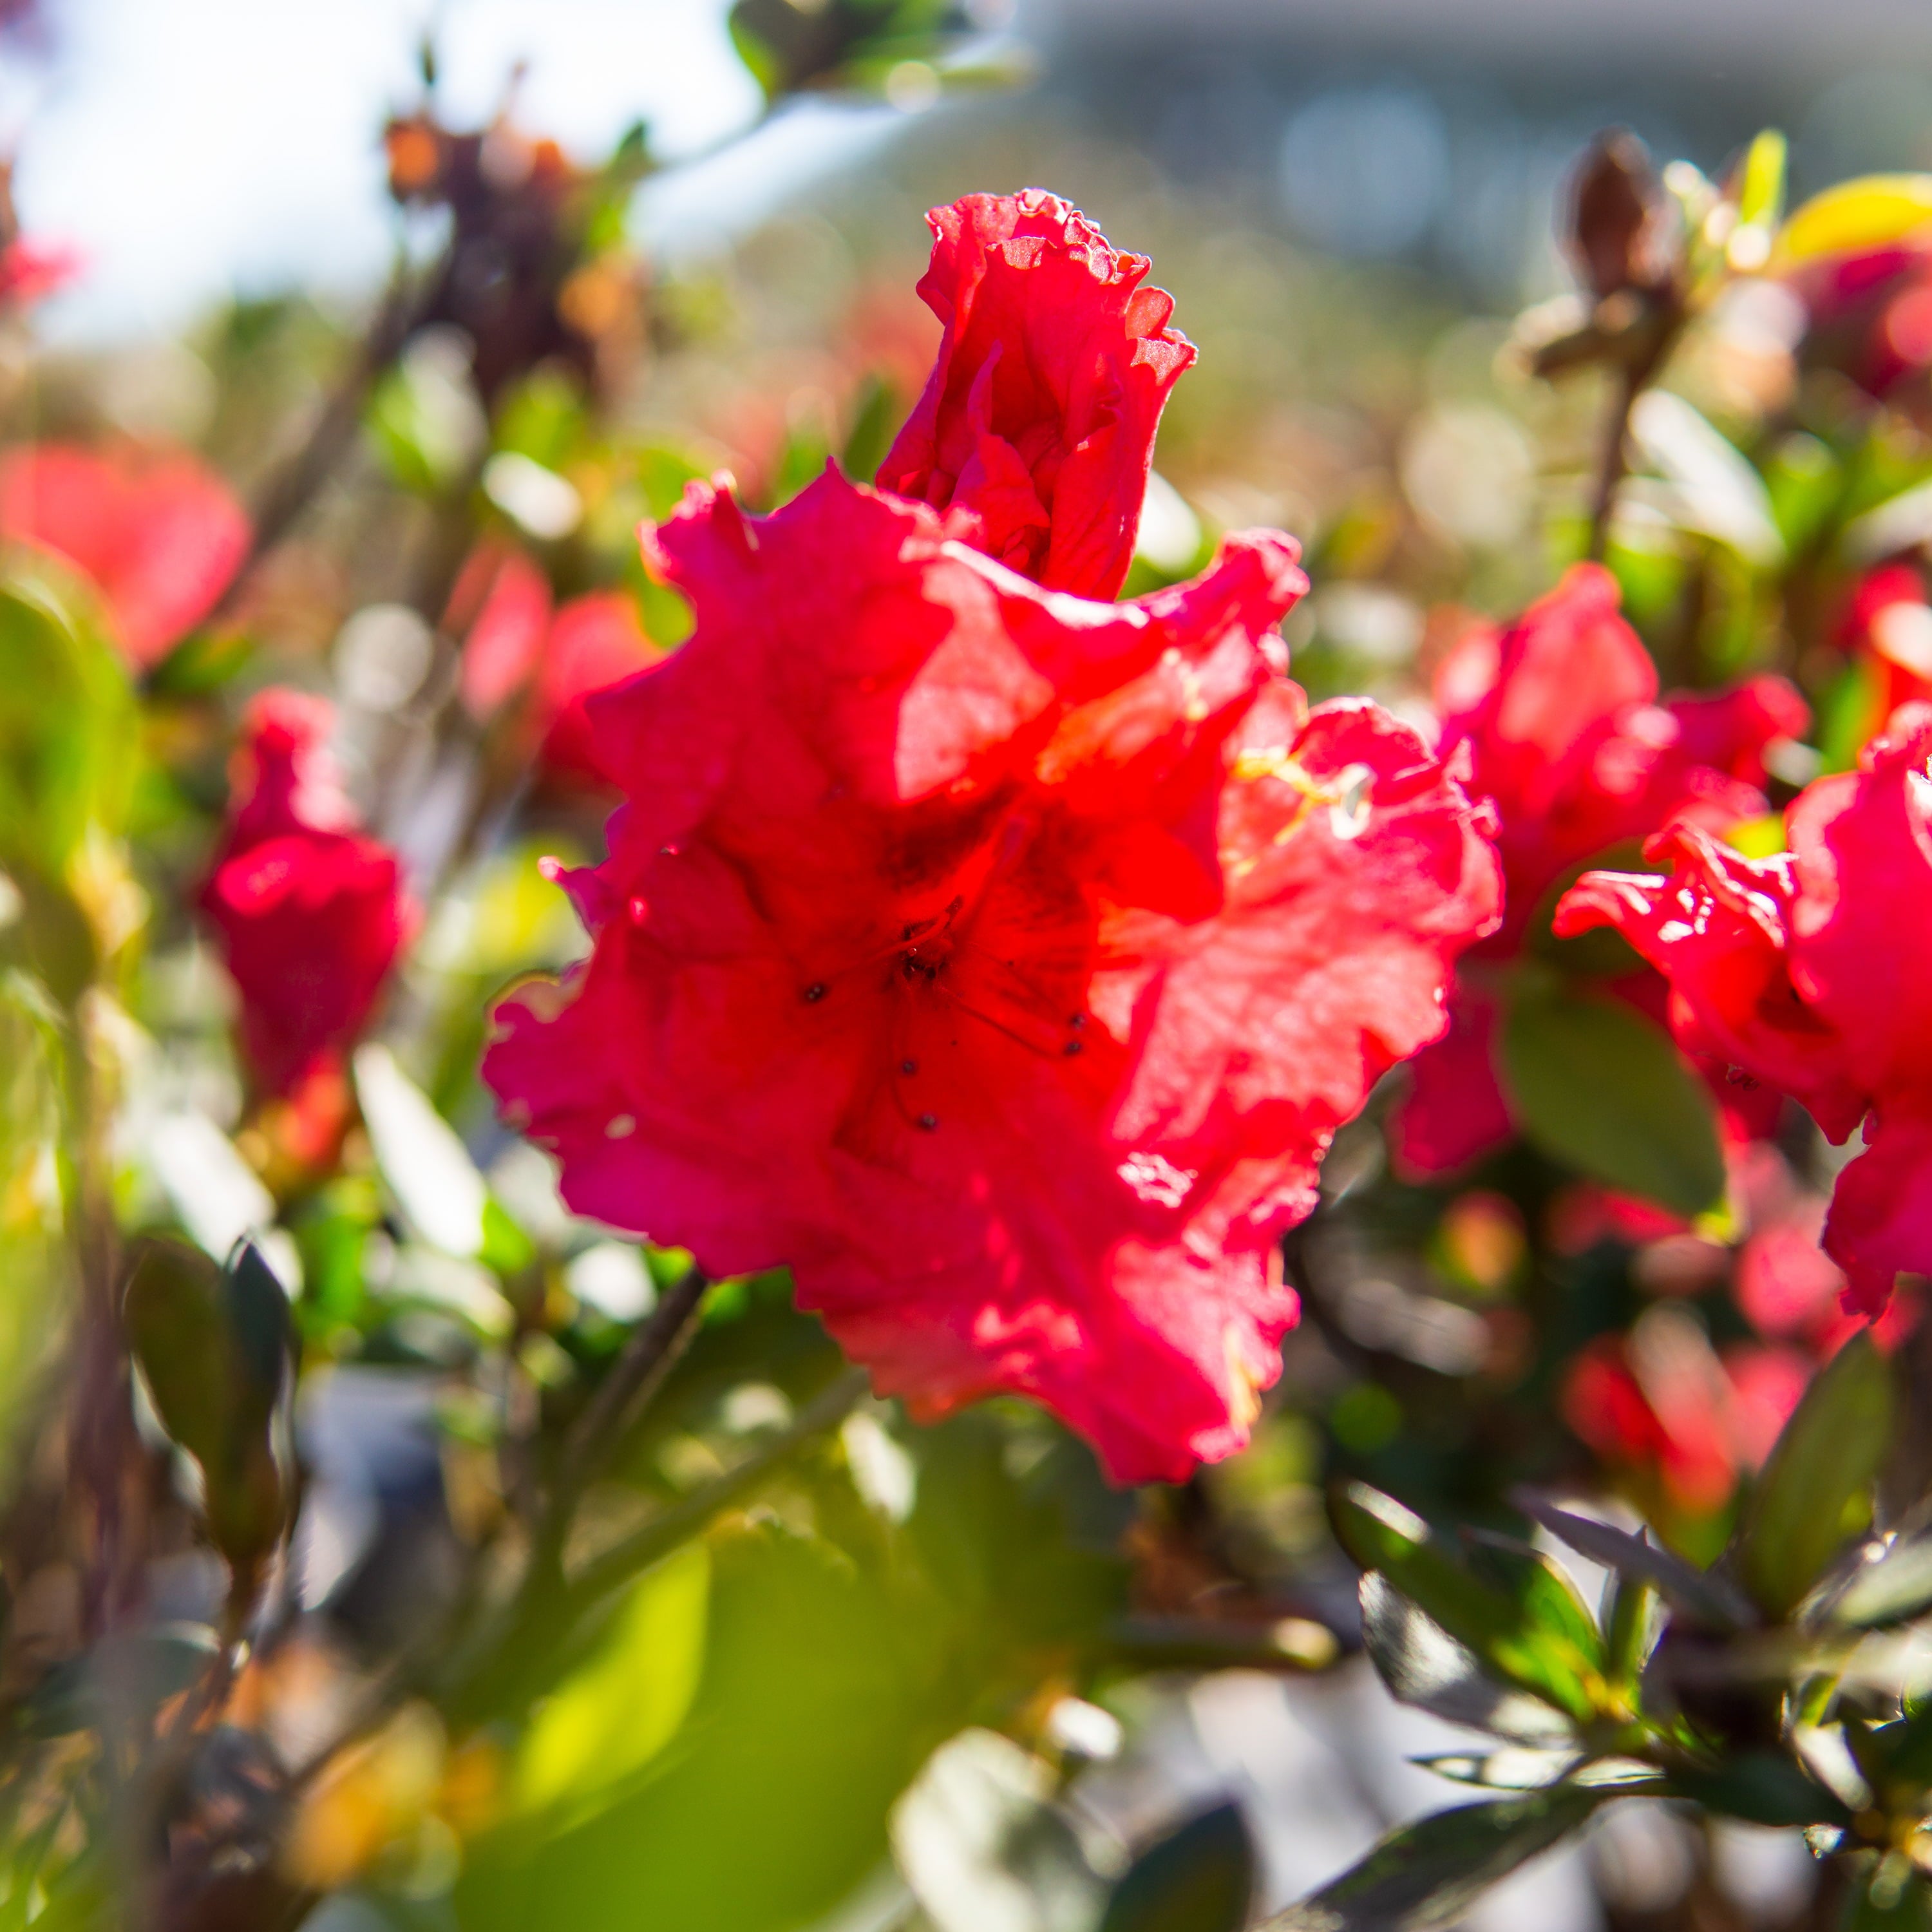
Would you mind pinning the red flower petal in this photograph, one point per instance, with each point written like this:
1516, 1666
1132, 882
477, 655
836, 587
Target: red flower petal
160, 535
1039, 419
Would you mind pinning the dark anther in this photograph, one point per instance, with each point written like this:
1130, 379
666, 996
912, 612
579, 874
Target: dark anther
1071, 1047
908, 1067
1077, 1022
928, 1121
814, 992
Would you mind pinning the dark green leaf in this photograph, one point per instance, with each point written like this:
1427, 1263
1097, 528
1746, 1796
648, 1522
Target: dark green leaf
1198, 1879
1518, 1631
1427, 1875
1827, 1456
213, 1343
1710, 1599
1602, 1088
1762, 1788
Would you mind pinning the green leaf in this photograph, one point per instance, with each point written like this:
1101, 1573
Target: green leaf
1200, 1878
1761, 192
1603, 1089
1826, 1457
1422, 1664
1710, 1599
1762, 1788
792, 45
614, 1714
35, 1257
68, 722
214, 1344
1522, 1631
978, 1834
873, 423
1427, 1875
1897, 1586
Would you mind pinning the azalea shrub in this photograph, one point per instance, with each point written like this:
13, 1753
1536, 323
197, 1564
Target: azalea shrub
719, 1129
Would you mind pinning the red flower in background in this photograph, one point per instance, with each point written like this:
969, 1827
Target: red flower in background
30, 271
1558, 717
160, 535
516, 646
310, 912
1037, 424
1002, 963
1869, 313
1888, 629
1806, 971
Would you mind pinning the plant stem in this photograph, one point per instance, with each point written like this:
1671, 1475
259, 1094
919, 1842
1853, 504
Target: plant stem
638, 1373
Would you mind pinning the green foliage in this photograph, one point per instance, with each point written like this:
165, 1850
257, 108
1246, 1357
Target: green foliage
791, 45
605, 1723
1199, 1878
1425, 1876
1822, 1467
214, 1344
1603, 1088
1522, 1620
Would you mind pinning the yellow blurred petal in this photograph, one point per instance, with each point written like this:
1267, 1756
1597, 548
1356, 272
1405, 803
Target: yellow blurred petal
1867, 213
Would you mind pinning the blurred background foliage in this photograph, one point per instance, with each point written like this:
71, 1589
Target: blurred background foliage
942, 1677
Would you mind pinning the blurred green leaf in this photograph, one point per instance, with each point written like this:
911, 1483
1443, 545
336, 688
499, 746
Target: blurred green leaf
1427, 1875
875, 421
1524, 1632
1827, 1456
1710, 1598
980, 1841
1200, 1878
214, 1344
1761, 191
1892, 1897
611, 1716
1422, 1664
67, 724
1762, 1789
816, 1704
792, 45
1603, 1089
34, 1258
1892, 1590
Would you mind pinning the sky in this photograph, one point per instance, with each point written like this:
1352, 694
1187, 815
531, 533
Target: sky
190, 147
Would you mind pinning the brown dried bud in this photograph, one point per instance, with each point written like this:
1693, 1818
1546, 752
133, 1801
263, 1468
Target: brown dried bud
1622, 233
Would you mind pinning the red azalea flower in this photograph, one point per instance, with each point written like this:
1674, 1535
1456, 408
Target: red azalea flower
516, 645
160, 535
1804, 971
1558, 717
1002, 963
1037, 423
502, 604
596, 642
1870, 311
311, 913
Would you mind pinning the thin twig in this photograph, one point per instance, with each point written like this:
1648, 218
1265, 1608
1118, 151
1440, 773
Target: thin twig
682, 1520
638, 1373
